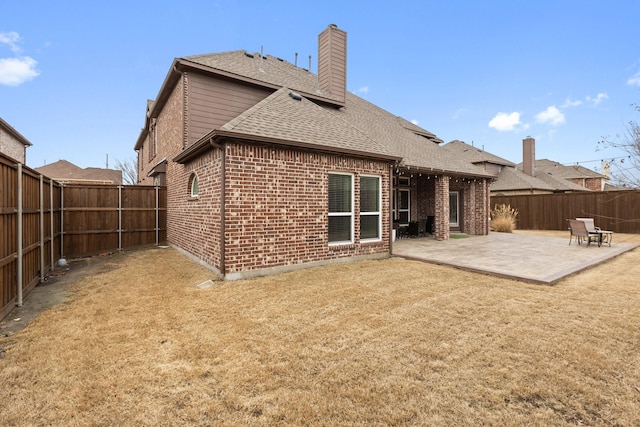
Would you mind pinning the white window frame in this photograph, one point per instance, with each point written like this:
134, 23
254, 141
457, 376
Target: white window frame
350, 214
372, 213
404, 181
193, 179
396, 205
455, 194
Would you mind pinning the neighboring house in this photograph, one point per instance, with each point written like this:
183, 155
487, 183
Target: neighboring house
269, 167
12, 143
67, 173
512, 179
577, 174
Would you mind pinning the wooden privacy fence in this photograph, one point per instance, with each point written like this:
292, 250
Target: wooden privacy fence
618, 211
42, 221
105, 218
30, 230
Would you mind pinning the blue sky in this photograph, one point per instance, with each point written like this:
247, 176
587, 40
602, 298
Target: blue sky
75, 75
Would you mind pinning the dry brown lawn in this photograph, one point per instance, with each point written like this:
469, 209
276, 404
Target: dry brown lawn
390, 342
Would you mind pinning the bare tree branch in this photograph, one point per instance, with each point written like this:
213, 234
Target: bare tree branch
129, 170
627, 167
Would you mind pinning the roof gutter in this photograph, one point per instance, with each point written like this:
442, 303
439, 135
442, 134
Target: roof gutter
15, 133
205, 143
432, 171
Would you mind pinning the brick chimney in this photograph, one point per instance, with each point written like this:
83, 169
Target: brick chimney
332, 61
529, 156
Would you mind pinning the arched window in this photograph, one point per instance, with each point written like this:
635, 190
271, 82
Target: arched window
193, 185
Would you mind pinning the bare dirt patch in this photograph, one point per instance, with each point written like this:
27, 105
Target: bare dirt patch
376, 342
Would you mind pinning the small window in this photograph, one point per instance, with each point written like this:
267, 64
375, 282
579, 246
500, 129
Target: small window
193, 185
153, 136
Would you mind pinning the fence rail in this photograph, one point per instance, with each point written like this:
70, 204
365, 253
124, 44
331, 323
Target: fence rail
618, 211
42, 221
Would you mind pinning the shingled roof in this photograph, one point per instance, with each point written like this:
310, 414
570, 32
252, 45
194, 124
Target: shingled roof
512, 179
475, 154
65, 171
319, 119
265, 70
563, 171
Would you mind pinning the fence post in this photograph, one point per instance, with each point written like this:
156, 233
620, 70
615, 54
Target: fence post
51, 236
61, 220
19, 236
119, 218
41, 228
157, 218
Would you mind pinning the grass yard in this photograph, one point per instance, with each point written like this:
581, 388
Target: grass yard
389, 342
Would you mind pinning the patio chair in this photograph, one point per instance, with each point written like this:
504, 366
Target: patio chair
414, 229
422, 227
431, 229
579, 230
606, 236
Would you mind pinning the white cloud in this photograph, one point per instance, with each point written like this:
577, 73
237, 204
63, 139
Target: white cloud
415, 122
11, 39
570, 103
505, 121
15, 71
598, 99
634, 80
363, 89
551, 115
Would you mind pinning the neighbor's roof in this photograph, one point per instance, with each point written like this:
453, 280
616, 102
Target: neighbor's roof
65, 171
512, 179
17, 135
566, 172
475, 154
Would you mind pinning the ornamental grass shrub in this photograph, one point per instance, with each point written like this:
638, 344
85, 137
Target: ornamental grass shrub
503, 218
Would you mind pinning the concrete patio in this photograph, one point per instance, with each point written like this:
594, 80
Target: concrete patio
530, 258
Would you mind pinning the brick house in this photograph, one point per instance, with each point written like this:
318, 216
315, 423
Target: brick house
270, 167
12, 143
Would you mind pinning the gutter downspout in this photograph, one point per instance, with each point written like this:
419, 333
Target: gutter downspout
391, 218
223, 211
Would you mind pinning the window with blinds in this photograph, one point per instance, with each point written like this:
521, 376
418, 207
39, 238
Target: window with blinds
370, 202
340, 208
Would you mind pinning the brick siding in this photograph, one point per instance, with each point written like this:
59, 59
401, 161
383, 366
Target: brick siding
11, 146
276, 211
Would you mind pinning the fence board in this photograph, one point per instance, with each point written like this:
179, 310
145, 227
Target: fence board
618, 211
71, 221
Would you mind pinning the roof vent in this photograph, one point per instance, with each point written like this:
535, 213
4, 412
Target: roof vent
295, 96
248, 54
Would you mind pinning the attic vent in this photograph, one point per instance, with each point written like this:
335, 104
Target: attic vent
295, 96
280, 59
248, 54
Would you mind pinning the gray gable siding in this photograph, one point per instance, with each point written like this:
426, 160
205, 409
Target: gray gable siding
212, 102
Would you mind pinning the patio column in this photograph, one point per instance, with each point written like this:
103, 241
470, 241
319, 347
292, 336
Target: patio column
442, 207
